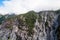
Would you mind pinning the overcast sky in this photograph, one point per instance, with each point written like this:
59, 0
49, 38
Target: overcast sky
23, 6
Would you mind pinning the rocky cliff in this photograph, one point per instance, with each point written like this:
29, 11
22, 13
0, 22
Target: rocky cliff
44, 25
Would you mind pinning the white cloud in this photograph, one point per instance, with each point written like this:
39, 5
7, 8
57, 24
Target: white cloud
22, 6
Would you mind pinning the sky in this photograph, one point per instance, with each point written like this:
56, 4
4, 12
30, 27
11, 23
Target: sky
23, 6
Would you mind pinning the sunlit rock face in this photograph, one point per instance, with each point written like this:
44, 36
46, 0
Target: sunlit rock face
44, 25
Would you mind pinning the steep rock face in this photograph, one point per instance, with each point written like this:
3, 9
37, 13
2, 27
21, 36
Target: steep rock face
58, 28
44, 25
45, 29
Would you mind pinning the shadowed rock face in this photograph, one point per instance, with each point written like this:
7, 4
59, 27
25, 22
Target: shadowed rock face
58, 28
58, 32
44, 25
58, 19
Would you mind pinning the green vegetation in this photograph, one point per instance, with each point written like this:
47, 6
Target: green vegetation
39, 18
2, 18
30, 18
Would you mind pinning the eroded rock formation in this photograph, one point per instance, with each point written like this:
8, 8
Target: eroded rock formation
44, 25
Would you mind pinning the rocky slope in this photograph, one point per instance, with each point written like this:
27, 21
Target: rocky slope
44, 25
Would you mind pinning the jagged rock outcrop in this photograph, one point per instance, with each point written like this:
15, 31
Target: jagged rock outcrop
44, 25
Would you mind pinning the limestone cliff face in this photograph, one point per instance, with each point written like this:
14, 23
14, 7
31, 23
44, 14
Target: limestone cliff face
44, 25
